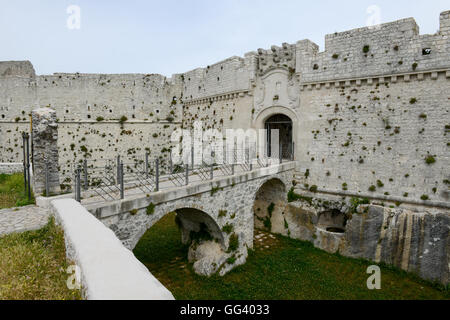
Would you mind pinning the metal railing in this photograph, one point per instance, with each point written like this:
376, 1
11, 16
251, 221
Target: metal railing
115, 178
26, 163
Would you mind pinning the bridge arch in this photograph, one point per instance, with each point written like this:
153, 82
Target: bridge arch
191, 220
205, 206
269, 204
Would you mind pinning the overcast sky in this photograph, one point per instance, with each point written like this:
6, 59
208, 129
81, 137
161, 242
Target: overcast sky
174, 36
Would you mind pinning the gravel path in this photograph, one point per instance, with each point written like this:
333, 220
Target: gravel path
22, 219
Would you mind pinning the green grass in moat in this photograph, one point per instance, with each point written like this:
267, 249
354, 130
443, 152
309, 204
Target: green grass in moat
289, 270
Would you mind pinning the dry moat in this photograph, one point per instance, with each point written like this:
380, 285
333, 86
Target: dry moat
294, 269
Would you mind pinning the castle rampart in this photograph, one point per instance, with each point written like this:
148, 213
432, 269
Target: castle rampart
369, 112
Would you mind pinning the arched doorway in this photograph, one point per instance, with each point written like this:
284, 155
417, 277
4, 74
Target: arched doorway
283, 124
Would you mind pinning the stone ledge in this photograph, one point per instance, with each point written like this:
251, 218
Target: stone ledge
382, 79
9, 168
109, 271
432, 204
218, 97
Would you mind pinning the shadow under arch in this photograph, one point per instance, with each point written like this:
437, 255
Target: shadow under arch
269, 201
194, 221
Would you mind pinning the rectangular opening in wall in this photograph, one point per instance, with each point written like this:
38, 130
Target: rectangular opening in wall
426, 51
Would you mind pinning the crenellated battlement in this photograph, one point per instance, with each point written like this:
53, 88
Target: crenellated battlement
17, 69
387, 49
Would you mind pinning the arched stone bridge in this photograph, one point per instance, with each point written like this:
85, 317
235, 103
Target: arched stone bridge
223, 207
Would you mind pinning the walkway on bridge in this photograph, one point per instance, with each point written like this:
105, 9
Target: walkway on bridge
136, 187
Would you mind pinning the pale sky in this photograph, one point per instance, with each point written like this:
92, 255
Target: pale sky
175, 36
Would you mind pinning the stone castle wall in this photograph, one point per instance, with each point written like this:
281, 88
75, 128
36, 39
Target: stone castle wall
393, 48
372, 107
357, 136
89, 109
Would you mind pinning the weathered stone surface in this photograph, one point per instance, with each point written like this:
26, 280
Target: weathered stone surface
207, 257
301, 223
327, 241
417, 242
45, 150
23, 219
16, 69
362, 234
10, 168
413, 241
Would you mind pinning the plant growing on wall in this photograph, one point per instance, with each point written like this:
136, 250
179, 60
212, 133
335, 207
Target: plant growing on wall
123, 119
233, 243
356, 202
150, 209
430, 160
222, 213
228, 228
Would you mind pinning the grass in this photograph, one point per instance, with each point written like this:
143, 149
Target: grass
289, 270
33, 266
12, 191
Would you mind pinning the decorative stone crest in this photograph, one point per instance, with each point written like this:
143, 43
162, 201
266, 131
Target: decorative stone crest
276, 57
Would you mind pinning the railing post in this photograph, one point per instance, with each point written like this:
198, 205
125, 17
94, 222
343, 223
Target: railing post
224, 155
85, 169
232, 169
78, 184
157, 174
27, 139
247, 155
170, 162
118, 169
122, 191
187, 174
24, 162
146, 165
212, 171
